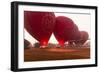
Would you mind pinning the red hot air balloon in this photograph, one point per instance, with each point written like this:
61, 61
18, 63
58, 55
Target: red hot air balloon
40, 25
76, 35
64, 29
83, 38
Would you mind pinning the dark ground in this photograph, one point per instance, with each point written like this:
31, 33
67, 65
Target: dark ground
44, 54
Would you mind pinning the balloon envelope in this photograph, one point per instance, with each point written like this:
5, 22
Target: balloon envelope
40, 25
83, 38
65, 29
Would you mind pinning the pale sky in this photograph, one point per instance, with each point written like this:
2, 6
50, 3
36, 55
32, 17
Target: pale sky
83, 21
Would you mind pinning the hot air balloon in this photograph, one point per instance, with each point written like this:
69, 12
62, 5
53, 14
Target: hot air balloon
83, 38
40, 25
65, 29
76, 35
